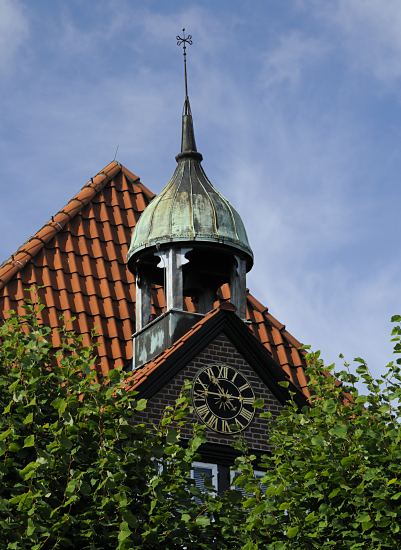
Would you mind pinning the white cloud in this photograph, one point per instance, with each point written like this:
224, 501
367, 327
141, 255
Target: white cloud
285, 63
369, 32
13, 30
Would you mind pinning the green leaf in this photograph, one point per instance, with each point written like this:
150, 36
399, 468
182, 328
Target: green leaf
334, 492
71, 486
5, 434
292, 532
171, 436
125, 531
202, 521
28, 419
340, 430
363, 518
29, 441
31, 527
141, 405
60, 405
29, 470
330, 405
311, 517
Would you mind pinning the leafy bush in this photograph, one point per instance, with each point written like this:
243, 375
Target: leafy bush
334, 474
80, 468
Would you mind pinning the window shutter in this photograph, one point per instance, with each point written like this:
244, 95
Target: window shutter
258, 475
204, 475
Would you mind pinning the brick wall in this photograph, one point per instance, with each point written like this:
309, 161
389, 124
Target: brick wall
220, 350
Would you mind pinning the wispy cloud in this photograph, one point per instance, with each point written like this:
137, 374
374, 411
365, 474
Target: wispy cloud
369, 32
285, 63
13, 31
289, 155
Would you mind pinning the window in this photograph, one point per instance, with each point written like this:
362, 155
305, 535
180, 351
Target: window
258, 475
205, 475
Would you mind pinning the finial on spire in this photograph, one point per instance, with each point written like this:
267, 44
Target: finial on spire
183, 41
188, 144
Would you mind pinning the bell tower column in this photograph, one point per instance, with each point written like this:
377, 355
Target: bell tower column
173, 259
238, 286
142, 301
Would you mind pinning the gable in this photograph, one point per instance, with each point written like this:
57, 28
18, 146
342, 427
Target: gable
221, 350
78, 259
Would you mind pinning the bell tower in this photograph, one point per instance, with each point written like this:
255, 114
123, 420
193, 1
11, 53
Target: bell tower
189, 240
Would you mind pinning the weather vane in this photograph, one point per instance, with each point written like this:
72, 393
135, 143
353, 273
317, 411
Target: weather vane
183, 41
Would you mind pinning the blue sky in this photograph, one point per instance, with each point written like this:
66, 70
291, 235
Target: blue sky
297, 109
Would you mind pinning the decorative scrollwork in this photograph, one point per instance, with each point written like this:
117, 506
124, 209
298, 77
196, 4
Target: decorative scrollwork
184, 40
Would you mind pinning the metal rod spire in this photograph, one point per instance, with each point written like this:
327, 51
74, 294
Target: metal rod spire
183, 41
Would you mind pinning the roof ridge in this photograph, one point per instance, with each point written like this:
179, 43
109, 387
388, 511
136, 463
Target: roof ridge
137, 180
34, 244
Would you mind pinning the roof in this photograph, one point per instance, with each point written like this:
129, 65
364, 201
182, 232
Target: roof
78, 262
190, 209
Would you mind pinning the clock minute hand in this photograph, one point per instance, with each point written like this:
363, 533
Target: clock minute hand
219, 394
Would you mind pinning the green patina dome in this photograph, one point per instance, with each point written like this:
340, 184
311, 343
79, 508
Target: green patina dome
189, 209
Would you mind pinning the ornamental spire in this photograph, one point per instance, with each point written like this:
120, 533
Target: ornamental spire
183, 41
188, 144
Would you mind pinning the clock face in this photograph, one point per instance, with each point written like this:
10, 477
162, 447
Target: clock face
223, 399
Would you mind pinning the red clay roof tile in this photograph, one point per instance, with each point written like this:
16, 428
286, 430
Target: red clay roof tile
78, 258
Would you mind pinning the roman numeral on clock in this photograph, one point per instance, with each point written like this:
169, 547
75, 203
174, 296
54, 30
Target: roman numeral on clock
246, 415
212, 422
248, 400
222, 372
203, 411
225, 427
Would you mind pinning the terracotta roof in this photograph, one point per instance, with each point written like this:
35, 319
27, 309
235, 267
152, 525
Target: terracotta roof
78, 262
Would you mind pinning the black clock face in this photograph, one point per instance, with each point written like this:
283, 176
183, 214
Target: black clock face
223, 399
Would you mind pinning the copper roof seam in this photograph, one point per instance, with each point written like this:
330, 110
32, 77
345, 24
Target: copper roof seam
225, 202
215, 223
175, 193
157, 199
191, 202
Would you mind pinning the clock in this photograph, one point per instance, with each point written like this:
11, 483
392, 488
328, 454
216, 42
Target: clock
223, 399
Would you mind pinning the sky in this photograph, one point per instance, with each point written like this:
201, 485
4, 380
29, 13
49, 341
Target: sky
297, 112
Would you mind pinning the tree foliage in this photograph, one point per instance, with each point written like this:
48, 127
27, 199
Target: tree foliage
334, 475
79, 467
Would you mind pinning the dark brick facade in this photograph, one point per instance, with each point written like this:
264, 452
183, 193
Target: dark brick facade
220, 350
